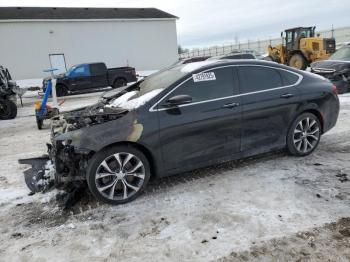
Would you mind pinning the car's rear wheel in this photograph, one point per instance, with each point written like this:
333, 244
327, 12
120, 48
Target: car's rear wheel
304, 135
119, 82
118, 174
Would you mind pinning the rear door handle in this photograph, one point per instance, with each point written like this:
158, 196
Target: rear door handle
287, 95
230, 105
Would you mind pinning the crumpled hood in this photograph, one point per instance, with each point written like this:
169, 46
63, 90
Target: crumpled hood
84, 117
331, 64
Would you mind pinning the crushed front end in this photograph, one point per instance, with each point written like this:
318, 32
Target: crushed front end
64, 166
336, 69
340, 78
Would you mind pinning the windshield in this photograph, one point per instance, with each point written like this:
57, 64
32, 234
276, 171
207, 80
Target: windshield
342, 54
70, 70
142, 92
161, 80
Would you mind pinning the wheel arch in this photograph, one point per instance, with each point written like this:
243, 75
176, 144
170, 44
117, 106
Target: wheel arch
315, 111
119, 77
62, 84
146, 151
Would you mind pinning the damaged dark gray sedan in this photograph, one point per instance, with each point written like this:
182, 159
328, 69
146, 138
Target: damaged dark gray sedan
183, 118
336, 69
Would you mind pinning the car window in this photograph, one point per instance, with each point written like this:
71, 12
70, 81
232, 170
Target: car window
289, 37
209, 85
82, 70
288, 78
247, 56
97, 69
342, 54
232, 57
257, 78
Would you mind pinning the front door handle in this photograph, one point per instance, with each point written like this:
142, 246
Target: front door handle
287, 95
230, 105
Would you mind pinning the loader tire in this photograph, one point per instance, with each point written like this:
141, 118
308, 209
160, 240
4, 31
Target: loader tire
298, 61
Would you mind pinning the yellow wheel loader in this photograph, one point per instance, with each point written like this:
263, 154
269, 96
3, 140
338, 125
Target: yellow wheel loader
301, 47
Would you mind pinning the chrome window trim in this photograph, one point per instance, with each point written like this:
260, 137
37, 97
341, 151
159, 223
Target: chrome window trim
153, 109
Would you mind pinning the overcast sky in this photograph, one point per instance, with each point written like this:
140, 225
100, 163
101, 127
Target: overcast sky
206, 22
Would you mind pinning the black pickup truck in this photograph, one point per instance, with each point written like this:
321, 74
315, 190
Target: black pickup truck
91, 76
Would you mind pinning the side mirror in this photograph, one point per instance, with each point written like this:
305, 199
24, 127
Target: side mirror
179, 100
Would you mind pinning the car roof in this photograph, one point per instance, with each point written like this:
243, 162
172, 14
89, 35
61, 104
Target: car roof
207, 64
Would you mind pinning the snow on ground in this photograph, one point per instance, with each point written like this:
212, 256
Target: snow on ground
27, 83
233, 211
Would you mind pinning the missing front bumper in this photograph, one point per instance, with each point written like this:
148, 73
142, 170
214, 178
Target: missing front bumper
40, 177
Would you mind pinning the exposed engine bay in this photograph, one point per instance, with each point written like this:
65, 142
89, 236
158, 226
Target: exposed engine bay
64, 166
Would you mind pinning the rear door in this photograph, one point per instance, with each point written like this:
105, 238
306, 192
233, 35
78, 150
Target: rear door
269, 102
80, 78
205, 130
98, 75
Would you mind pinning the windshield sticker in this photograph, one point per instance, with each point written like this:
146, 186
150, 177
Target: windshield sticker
207, 76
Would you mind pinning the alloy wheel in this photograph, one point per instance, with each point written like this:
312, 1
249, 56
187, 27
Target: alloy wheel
120, 176
306, 135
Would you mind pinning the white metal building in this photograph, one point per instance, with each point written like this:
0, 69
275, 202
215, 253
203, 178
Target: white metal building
34, 39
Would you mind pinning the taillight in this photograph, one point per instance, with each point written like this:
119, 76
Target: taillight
334, 89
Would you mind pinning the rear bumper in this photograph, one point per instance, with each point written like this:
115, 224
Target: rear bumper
330, 112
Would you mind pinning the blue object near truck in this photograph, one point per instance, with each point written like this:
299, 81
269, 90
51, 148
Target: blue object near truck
92, 76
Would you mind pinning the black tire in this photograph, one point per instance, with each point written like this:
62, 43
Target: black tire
311, 132
8, 109
107, 156
61, 90
298, 61
119, 82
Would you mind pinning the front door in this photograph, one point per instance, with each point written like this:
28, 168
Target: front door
205, 130
80, 78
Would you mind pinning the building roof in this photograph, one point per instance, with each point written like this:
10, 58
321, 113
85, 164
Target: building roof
67, 13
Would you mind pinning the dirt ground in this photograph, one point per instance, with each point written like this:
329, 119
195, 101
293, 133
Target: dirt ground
272, 207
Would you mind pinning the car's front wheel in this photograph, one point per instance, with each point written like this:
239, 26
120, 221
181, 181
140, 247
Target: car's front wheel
61, 90
304, 135
118, 174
